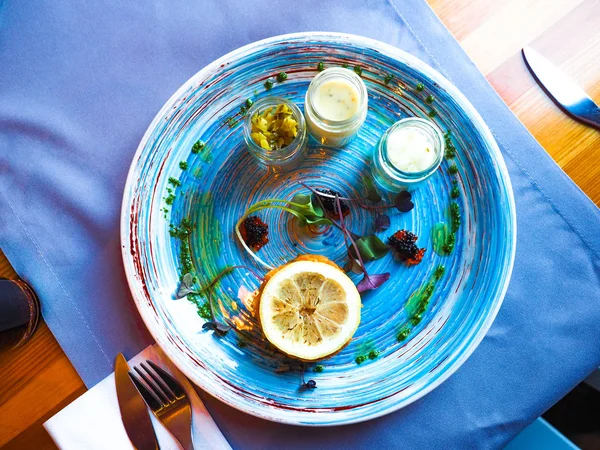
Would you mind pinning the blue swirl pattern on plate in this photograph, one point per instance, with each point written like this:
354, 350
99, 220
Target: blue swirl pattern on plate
223, 180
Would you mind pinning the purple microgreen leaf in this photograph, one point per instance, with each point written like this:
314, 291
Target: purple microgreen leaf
350, 238
372, 193
403, 202
370, 282
219, 328
353, 265
186, 286
382, 222
310, 384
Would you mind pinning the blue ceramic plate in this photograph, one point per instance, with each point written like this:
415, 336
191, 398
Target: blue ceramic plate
222, 180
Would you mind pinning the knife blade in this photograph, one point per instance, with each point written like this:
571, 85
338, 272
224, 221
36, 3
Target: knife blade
133, 409
563, 90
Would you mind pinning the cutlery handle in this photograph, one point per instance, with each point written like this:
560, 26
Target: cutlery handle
180, 427
591, 117
186, 440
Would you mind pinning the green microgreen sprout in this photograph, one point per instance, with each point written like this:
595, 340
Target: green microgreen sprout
300, 206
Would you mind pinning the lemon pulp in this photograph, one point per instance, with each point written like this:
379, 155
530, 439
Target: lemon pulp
309, 309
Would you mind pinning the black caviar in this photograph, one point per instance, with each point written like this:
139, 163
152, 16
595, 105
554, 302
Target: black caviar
328, 201
255, 232
403, 242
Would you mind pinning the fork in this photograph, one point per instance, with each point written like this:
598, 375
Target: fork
166, 398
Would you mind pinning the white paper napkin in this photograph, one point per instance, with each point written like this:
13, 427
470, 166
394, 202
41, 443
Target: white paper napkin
93, 421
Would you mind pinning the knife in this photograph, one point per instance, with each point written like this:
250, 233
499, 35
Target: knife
567, 95
133, 409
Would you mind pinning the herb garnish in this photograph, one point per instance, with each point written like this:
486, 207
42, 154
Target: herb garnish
450, 148
268, 84
455, 192
444, 237
183, 165
187, 288
402, 201
420, 87
231, 122
320, 66
169, 199
373, 354
388, 78
418, 301
198, 146
328, 207
403, 334
300, 206
281, 77
429, 99
432, 113
358, 70
370, 354
368, 282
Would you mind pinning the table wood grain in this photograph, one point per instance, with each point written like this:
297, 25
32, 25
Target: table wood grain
37, 380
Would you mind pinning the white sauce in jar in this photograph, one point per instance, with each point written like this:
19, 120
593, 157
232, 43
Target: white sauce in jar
410, 149
336, 100
335, 106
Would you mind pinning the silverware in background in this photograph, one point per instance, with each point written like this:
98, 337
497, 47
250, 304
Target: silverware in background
565, 93
167, 399
133, 409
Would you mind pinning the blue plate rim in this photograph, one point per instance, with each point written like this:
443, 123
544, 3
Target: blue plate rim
150, 320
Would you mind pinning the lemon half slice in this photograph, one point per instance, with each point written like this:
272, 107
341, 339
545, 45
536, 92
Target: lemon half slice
309, 309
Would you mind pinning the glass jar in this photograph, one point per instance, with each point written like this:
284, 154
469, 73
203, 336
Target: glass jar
329, 131
394, 178
288, 157
19, 313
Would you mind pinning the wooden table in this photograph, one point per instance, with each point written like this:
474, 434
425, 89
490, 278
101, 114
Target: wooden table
37, 380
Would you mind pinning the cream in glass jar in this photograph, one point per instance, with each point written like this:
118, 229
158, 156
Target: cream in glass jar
335, 106
409, 152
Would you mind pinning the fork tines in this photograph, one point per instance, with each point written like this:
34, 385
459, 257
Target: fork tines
159, 388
